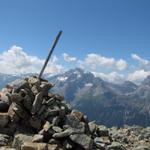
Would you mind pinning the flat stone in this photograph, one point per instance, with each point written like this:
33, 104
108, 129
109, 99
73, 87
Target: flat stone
4, 119
19, 139
102, 139
47, 126
83, 140
64, 134
37, 103
34, 81
38, 138
57, 129
34, 146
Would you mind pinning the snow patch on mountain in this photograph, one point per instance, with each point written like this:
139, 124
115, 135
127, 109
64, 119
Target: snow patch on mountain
62, 78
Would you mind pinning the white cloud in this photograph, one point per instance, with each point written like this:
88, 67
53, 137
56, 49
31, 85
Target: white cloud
15, 60
110, 77
138, 75
139, 59
121, 64
94, 60
69, 58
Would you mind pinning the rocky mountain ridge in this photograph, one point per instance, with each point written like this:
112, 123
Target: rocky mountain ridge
125, 103
34, 118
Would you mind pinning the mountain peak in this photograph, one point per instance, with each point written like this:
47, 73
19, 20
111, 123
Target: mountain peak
146, 81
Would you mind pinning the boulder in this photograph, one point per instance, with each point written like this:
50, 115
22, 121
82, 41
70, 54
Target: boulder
20, 139
83, 140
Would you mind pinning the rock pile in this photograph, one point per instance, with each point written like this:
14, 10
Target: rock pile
32, 118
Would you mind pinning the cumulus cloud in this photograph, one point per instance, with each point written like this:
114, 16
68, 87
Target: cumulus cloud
138, 75
16, 60
94, 60
121, 64
69, 58
110, 77
141, 61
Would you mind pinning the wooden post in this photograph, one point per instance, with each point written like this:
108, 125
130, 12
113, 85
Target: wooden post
50, 53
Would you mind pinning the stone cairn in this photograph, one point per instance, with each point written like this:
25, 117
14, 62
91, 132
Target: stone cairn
33, 118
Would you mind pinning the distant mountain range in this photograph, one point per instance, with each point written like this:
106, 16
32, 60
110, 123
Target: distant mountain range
106, 103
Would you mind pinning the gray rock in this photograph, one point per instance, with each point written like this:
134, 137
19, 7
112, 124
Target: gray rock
64, 134
34, 81
35, 90
16, 98
45, 87
105, 140
73, 122
57, 129
37, 103
19, 139
12, 114
4, 139
18, 84
50, 102
83, 140
77, 114
92, 126
21, 113
47, 126
56, 120
37, 138
41, 111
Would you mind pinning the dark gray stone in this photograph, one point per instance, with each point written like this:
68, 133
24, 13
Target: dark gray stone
83, 140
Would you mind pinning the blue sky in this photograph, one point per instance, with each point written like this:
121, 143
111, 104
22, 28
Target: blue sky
107, 28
